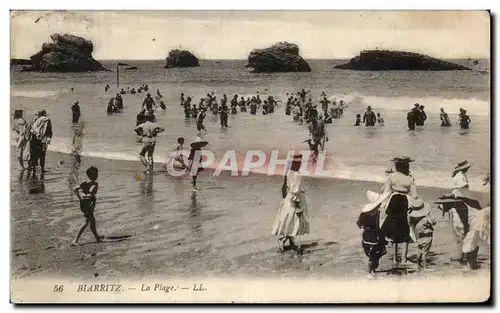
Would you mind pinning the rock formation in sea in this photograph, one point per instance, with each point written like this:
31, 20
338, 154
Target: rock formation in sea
386, 60
20, 62
280, 57
131, 68
67, 53
181, 58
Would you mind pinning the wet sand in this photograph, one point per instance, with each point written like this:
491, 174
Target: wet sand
156, 226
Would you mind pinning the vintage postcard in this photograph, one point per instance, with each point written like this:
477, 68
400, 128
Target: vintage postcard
250, 156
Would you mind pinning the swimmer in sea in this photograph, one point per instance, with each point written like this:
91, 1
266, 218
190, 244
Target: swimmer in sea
87, 204
358, 120
380, 120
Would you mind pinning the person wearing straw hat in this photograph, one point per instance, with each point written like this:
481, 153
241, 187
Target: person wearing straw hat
373, 241
423, 225
292, 218
193, 162
466, 217
394, 213
459, 175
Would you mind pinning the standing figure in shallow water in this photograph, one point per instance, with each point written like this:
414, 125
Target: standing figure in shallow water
400, 190
463, 119
292, 218
445, 120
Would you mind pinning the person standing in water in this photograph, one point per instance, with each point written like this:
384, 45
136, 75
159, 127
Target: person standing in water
358, 120
369, 117
412, 116
445, 120
75, 112
178, 157
292, 218
399, 190
200, 119
119, 102
22, 129
421, 116
87, 204
380, 120
224, 113
463, 119
148, 103
41, 135
194, 163
148, 130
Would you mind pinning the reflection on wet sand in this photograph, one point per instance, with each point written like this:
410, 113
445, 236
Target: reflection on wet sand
194, 219
76, 159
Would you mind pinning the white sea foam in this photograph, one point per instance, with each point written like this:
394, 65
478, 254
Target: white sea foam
34, 93
425, 178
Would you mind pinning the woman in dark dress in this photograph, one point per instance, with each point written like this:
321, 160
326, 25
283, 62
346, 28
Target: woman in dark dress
394, 219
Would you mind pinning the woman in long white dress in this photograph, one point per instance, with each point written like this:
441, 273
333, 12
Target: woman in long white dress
292, 218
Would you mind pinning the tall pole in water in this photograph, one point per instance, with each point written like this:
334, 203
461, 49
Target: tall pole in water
117, 75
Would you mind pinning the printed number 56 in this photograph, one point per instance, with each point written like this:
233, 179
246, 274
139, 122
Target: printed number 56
58, 288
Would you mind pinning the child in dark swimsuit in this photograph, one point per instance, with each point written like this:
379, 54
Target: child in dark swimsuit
87, 203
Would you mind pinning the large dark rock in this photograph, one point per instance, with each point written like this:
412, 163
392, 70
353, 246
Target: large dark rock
20, 62
67, 53
385, 60
280, 57
181, 58
131, 68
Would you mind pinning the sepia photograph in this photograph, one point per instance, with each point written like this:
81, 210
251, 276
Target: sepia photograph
245, 156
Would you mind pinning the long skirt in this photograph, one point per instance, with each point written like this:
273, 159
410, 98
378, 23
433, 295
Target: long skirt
396, 226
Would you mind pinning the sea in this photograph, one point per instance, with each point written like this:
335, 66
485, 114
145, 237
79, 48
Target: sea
352, 153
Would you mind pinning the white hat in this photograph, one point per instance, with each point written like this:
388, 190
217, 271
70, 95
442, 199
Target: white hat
375, 200
419, 208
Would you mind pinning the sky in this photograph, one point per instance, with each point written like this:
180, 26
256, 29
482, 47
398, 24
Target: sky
233, 34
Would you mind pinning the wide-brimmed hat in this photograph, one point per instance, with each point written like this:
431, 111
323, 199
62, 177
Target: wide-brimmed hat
198, 143
419, 208
464, 165
402, 159
41, 113
375, 199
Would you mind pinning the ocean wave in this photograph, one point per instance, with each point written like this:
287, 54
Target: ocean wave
34, 93
336, 170
473, 106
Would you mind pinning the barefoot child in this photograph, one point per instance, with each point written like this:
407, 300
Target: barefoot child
87, 203
423, 224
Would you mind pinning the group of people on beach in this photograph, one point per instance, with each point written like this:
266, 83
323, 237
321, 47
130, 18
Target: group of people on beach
32, 139
396, 215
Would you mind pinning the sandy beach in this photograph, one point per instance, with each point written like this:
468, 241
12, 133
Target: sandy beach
157, 227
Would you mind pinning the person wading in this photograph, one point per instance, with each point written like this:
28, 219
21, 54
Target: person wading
41, 135
148, 130
75, 112
369, 118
